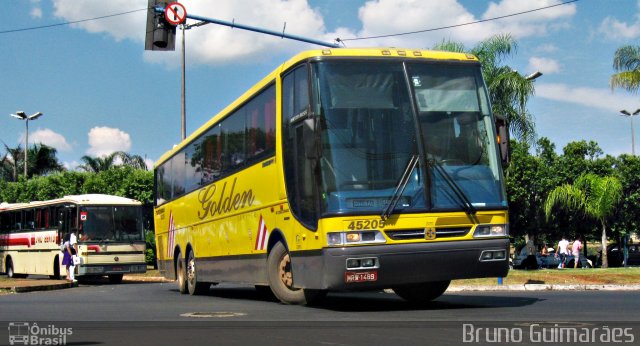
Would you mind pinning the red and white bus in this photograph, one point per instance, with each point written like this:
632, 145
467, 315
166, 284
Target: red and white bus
110, 242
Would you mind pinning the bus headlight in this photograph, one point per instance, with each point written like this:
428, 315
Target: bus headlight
355, 237
483, 231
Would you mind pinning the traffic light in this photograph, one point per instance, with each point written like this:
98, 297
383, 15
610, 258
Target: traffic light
160, 35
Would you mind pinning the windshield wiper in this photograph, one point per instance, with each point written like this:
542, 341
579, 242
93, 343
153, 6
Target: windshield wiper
462, 198
402, 184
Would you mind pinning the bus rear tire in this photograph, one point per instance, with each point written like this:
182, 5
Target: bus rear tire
115, 278
181, 274
422, 292
193, 286
281, 279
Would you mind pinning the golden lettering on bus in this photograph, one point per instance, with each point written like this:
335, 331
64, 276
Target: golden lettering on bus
214, 202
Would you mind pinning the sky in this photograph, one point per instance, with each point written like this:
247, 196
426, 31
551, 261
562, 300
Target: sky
101, 92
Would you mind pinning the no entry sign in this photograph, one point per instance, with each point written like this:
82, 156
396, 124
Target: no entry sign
175, 13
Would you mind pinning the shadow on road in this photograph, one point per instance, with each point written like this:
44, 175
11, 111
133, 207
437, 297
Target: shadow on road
379, 301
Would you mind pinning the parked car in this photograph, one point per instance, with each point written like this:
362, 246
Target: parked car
584, 262
521, 261
549, 260
615, 255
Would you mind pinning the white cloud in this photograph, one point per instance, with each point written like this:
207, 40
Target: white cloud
614, 29
589, 97
544, 65
547, 48
149, 163
36, 12
216, 44
106, 140
532, 23
397, 16
50, 138
129, 26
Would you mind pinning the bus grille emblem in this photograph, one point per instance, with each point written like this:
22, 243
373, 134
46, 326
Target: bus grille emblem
430, 233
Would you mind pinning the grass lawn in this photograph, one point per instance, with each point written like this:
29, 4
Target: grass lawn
619, 276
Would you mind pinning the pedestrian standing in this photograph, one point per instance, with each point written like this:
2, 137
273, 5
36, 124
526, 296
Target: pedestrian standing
67, 259
73, 249
575, 250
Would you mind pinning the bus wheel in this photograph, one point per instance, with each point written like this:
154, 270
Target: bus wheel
115, 278
56, 269
281, 279
193, 286
9, 268
422, 292
181, 273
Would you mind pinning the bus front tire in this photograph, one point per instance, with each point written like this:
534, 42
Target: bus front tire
281, 279
193, 286
9, 268
422, 292
181, 273
115, 278
11, 271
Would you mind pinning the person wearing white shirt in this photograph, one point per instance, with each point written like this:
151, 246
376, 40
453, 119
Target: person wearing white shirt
563, 251
73, 244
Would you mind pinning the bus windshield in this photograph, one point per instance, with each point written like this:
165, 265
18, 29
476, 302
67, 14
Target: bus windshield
377, 115
111, 223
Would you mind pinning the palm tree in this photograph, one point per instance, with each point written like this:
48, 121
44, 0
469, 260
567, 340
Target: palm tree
626, 60
509, 91
43, 160
593, 195
132, 160
99, 164
12, 162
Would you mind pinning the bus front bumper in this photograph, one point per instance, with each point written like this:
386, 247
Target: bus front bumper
106, 269
399, 264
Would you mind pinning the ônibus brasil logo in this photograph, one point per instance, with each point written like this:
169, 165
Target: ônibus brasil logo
25, 333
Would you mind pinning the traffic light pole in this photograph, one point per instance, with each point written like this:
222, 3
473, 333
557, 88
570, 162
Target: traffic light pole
282, 34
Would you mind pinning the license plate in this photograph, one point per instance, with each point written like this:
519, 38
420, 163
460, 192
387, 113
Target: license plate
117, 269
350, 277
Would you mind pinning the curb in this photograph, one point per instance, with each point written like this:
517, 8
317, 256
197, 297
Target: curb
24, 289
545, 287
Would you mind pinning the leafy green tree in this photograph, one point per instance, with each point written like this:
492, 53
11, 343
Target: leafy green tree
627, 218
626, 61
529, 181
593, 195
509, 91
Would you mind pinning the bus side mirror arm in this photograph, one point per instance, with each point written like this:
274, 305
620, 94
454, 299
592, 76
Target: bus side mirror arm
502, 136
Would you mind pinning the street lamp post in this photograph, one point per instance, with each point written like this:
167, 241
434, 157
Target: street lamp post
633, 141
23, 116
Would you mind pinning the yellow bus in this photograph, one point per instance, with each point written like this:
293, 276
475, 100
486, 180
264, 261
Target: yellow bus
110, 242
343, 169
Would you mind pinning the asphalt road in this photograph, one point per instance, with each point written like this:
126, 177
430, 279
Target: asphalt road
156, 313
